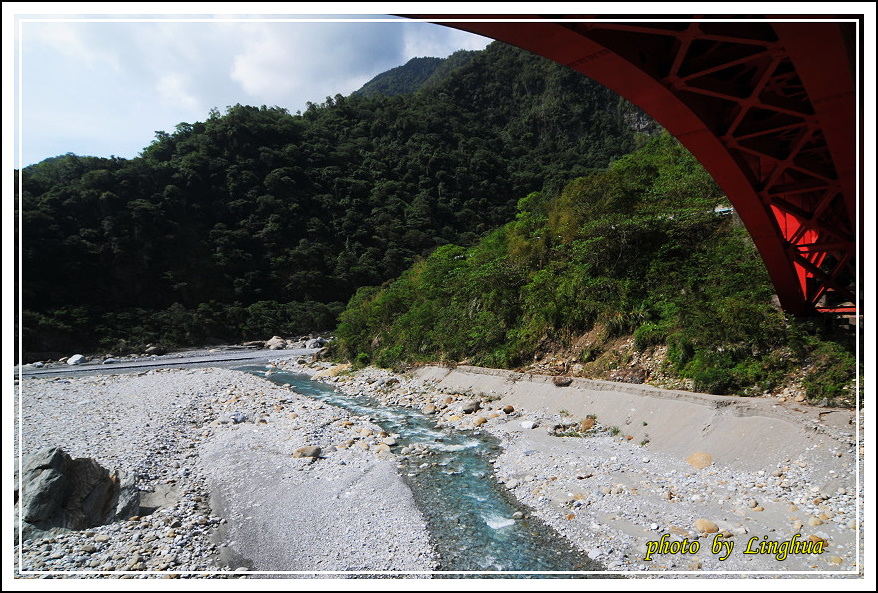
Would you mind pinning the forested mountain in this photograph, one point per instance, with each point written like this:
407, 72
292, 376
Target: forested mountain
415, 75
256, 222
634, 273
401, 80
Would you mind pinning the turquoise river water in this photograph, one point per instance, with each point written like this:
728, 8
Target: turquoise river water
469, 515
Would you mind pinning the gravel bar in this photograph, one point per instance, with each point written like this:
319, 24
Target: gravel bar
775, 474
225, 490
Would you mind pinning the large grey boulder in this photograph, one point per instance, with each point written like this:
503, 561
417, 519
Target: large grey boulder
470, 406
58, 491
315, 343
276, 343
76, 359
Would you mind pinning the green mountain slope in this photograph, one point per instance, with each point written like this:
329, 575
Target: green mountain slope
629, 274
401, 80
256, 222
415, 75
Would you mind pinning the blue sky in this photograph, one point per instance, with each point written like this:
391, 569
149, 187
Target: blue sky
102, 85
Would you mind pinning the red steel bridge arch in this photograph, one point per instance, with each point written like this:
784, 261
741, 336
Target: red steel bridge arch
768, 106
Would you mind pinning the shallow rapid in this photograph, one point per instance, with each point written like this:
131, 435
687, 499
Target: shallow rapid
475, 525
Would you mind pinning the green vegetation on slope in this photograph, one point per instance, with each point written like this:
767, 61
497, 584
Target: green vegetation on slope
636, 250
401, 80
415, 75
256, 221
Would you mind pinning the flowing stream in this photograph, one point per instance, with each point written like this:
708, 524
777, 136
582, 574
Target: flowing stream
470, 516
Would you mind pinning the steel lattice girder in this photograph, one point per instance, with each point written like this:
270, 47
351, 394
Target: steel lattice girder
769, 109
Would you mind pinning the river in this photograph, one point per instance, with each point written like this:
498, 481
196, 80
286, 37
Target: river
474, 523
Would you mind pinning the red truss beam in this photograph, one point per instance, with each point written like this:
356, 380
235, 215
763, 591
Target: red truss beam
769, 109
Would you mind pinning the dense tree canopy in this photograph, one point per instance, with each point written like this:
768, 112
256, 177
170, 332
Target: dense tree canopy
625, 260
257, 221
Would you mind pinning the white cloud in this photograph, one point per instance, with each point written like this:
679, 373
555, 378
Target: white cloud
173, 88
435, 41
265, 65
291, 63
65, 39
128, 79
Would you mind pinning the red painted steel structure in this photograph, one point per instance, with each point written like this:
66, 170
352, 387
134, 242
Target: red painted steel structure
768, 107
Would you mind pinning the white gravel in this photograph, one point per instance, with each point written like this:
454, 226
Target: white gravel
214, 448
610, 494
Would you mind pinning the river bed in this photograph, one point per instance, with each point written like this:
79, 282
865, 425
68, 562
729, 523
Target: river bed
474, 524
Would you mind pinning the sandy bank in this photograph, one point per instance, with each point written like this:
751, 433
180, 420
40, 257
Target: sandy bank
732, 429
775, 473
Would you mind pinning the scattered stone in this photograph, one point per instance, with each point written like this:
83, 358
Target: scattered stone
706, 526
629, 375
470, 406
552, 482
276, 343
308, 451
700, 460
315, 343
76, 359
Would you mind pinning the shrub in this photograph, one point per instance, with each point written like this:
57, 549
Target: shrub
830, 376
650, 334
